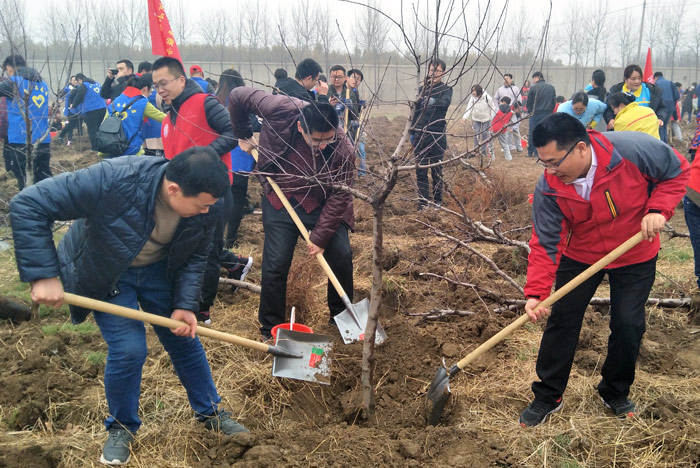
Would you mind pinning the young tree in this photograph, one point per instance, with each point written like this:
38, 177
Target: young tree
302, 25
214, 28
597, 28
625, 41
179, 15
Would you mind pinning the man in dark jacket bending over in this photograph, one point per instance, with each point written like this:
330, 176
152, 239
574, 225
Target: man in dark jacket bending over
302, 143
142, 234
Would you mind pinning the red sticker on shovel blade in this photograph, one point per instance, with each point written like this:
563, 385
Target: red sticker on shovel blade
316, 357
362, 337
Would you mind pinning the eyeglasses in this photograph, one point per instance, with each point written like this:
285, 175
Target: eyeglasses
338, 77
163, 83
548, 165
316, 142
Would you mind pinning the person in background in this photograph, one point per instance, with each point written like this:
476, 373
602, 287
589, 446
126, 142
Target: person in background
480, 111
687, 99
588, 111
670, 96
115, 82
510, 90
197, 75
498, 127
280, 74
144, 67
357, 135
151, 128
594, 194
541, 100
524, 91
134, 107
630, 116
304, 82
560, 100
428, 126
646, 95
85, 98
596, 88
72, 114
25, 81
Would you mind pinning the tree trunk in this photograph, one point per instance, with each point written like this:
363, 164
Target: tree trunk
14, 311
368, 358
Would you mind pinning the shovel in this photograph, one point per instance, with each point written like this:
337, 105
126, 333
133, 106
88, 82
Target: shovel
439, 391
295, 360
353, 320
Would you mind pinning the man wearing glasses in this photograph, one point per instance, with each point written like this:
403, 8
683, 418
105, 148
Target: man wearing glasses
341, 97
307, 152
196, 118
596, 192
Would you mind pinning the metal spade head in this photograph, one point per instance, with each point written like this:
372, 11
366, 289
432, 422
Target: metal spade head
315, 362
352, 321
438, 396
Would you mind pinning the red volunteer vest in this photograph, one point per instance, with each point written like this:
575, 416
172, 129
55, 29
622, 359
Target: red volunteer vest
190, 129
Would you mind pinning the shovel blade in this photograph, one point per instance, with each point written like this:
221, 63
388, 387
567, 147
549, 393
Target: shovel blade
315, 362
438, 396
354, 330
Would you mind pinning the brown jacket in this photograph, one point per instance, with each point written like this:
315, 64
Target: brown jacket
280, 141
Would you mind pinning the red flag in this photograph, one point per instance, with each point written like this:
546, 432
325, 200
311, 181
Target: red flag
162, 39
648, 71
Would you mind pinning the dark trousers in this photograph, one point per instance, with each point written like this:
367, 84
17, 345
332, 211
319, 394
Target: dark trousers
629, 290
663, 132
16, 162
239, 192
281, 236
534, 120
93, 119
75, 121
692, 219
429, 149
210, 281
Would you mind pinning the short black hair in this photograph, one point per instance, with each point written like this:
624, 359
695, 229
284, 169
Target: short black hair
280, 73
658, 74
14, 61
199, 170
145, 67
336, 68
629, 69
581, 97
356, 71
509, 75
598, 77
561, 99
174, 66
307, 67
138, 82
437, 62
319, 117
127, 63
505, 99
538, 74
565, 129
618, 98
323, 78
479, 90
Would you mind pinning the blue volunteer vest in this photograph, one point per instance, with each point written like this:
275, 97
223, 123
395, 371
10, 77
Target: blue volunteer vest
93, 100
201, 82
66, 103
38, 111
131, 120
151, 128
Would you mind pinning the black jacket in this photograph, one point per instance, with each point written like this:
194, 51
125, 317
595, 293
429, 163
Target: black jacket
291, 87
542, 98
216, 114
111, 88
431, 108
656, 101
113, 205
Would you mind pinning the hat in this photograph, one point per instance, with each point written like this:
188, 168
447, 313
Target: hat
195, 69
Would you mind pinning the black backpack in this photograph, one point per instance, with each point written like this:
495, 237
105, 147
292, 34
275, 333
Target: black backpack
111, 138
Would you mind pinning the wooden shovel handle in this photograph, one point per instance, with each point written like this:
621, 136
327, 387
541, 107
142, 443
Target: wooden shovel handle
558, 294
304, 232
153, 319
347, 110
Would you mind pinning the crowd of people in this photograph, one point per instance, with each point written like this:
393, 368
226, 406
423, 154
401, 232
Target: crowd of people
155, 222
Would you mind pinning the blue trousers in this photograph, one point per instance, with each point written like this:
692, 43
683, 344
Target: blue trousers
126, 349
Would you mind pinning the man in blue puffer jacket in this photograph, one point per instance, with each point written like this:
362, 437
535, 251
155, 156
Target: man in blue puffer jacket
142, 235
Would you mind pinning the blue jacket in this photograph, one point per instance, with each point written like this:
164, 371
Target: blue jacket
204, 84
113, 203
151, 128
133, 119
594, 111
669, 92
26, 81
92, 100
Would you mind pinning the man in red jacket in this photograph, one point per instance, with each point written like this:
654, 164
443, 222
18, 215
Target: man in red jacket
597, 191
308, 153
196, 118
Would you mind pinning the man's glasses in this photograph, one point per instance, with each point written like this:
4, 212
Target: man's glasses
548, 165
163, 83
338, 77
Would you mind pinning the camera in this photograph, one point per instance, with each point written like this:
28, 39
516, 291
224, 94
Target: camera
114, 71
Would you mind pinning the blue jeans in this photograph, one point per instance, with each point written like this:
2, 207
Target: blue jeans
126, 349
692, 219
362, 169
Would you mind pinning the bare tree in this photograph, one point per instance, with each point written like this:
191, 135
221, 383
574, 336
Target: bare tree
522, 32
673, 31
596, 27
180, 20
626, 41
214, 28
13, 24
254, 21
324, 33
135, 15
302, 25
371, 30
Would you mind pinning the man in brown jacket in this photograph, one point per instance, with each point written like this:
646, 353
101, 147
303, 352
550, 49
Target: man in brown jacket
307, 152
